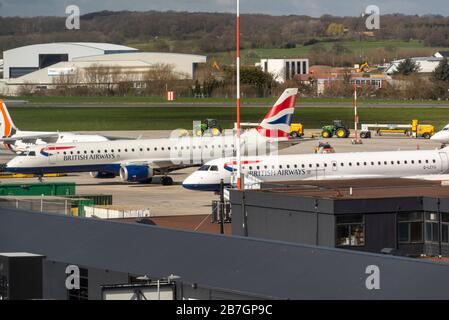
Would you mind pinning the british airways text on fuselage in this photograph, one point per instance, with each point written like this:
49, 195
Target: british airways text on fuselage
86, 157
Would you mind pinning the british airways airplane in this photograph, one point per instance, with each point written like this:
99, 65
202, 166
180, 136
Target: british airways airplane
442, 136
419, 164
140, 160
17, 141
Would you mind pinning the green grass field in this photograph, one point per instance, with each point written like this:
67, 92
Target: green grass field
97, 119
251, 56
39, 100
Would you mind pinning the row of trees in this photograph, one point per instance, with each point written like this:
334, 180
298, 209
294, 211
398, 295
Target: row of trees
211, 32
115, 81
110, 81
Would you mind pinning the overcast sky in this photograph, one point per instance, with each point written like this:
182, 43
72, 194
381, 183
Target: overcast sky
281, 7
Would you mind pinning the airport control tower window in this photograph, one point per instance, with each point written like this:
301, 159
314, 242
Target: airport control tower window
410, 227
350, 230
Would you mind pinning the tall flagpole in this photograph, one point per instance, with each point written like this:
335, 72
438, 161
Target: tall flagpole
239, 165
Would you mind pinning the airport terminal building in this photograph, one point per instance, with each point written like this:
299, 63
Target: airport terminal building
42, 66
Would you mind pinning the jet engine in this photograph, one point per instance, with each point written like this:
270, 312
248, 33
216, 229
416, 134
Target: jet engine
137, 173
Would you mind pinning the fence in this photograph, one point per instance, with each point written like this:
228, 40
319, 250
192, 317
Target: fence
62, 206
111, 213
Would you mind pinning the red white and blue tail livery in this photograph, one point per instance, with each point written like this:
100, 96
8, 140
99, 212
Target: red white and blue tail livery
276, 123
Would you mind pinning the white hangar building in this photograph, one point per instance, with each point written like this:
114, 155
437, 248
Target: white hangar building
24, 60
39, 65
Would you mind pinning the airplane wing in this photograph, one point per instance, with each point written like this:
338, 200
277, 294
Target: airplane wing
48, 138
161, 165
114, 138
292, 142
430, 177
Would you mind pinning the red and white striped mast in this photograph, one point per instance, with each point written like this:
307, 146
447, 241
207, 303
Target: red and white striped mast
237, 67
357, 139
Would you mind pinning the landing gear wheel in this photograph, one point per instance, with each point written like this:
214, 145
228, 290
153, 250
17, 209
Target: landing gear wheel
166, 181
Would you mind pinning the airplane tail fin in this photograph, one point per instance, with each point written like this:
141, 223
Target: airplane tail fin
7, 127
277, 121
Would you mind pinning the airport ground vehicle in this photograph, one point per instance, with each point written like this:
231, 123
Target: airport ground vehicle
337, 128
296, 130
209, 127
324, 147
414, 129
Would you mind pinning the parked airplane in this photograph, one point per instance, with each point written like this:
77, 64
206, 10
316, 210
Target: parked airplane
442, 136
18, 141
417, 164
140, 160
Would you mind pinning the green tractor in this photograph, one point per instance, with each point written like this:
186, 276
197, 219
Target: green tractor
209, 127
337, 128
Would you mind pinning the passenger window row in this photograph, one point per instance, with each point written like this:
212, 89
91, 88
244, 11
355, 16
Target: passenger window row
342, 164
142, 149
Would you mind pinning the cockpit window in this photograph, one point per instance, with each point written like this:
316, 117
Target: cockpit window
32, 153
204, 168
213, 168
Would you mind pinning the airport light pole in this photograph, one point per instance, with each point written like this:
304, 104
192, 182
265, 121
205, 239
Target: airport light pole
237, 67
357, 139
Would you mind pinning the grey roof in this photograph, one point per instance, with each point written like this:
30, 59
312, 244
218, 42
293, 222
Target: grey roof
93, 45
263, 268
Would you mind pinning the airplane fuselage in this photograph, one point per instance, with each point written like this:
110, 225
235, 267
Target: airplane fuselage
323, 167
110, 156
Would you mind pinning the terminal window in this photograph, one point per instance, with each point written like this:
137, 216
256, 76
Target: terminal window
350, 230
16, 72
445, 228
432, 230
410, 227
46, 60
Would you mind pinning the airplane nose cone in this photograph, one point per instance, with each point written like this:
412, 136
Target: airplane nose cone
198, 183
436, 137
190, 183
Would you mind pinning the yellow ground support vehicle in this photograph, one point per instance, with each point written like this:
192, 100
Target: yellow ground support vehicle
296, 130
414, 129
422, 130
